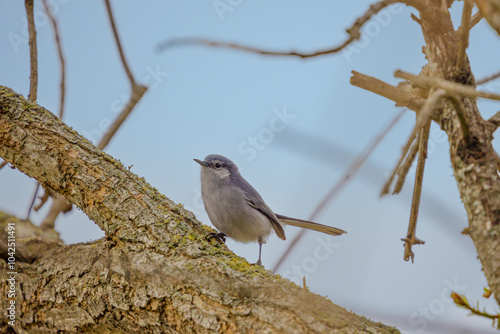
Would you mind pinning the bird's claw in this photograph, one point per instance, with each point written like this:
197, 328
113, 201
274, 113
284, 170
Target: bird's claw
220, 237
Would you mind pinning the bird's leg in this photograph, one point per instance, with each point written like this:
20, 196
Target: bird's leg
259, 262
220, 237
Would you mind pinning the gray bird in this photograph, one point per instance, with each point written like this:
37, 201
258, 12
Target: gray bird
237, 210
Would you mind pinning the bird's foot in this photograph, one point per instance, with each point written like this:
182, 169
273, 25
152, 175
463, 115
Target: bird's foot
259, 263
220, 237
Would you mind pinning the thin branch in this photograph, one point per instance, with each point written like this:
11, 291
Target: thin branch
494, 122
464, 33
405, 167
43, 199
32, 201
402, 97
354, 34
403, 170
455, 100
3, 164
137, 93
450, 87
411, 239
33, 51
118, 43
488, 78
461, 300
422, 117
59, 205
61, 57
476, 18
341, 183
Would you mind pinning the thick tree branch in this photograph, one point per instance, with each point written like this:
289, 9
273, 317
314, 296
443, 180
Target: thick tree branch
154, 271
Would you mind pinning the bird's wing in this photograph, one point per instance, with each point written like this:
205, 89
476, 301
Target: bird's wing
261, 206
253, 199
309, 225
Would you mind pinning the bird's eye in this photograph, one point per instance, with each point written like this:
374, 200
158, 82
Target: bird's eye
218, 165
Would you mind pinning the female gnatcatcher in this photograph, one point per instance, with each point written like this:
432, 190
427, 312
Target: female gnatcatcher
236, 208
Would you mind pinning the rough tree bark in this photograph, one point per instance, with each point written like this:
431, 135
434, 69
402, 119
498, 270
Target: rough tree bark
153, 271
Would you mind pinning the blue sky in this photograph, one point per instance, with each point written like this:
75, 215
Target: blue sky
204, 101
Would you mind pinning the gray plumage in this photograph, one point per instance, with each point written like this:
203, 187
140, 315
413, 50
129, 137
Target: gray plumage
237, 210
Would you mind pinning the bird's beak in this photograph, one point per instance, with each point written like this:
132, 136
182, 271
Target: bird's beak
202, 163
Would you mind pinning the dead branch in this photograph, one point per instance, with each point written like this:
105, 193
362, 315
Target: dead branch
488, 78
33, 51
493, 123
137, 93
402, 97
118, 43
450, 87
422, 117
353, 32
411, 239
405, 167
61, 56
491, 11
476, 18
32, 203
340, 184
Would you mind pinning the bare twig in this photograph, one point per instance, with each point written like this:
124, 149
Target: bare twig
137, 93
476, 18
61, 57
405, 167
422, 117
354, 34
349, 173
491, 11
43, 199
32, 201
118, 43
450, 87
33, 51
411, 239
488, 78
464, 33
58, 205
494, 121
455, 100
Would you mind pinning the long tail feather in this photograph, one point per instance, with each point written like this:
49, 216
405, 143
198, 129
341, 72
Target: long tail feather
309, 225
